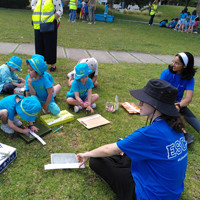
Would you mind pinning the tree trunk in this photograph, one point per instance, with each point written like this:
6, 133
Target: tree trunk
198, 8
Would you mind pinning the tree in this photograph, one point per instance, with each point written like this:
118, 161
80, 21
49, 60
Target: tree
14, 3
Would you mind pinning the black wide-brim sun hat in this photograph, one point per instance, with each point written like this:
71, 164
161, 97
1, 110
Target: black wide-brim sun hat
159, 94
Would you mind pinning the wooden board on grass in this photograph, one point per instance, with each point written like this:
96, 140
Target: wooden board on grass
93, 121
131, 107
43, 130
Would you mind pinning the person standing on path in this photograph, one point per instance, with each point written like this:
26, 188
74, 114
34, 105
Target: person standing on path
91, 9
154, 8
46, 42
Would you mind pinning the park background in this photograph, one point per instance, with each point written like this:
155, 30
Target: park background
26, 178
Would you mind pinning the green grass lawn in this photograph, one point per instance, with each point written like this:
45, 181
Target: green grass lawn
26, 178
121, 36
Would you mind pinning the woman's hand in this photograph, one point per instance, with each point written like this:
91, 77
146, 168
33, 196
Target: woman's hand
25, 131
178, 106
82, 158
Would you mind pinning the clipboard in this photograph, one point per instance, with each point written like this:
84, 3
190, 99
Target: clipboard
130, 107
93, 121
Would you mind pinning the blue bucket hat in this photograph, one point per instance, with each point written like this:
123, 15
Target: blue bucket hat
38, 64
37, 56
28, 108
15, 62
82, 70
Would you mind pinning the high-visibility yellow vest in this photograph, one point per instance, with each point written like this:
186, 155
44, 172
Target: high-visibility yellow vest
43, 14
153, 11
72, 5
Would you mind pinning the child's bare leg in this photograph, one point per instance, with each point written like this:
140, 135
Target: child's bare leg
95, 97
57, 88
72, 101
4, 116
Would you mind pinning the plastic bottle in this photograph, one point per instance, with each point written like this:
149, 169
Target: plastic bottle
116, 102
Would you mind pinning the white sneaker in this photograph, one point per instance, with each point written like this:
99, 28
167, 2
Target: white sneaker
77, 108
94, 23
73, 21
17, 122
6, 129
93, 105
90, 23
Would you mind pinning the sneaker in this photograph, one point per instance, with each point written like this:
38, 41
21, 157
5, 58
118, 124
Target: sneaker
17, 122
6, 129
77, 108
93, 105
73, 21
90, 23
189, 138
94, 23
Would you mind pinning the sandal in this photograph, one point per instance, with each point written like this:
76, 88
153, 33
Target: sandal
52, 69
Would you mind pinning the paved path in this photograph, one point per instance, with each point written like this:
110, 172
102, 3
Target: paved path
101, 56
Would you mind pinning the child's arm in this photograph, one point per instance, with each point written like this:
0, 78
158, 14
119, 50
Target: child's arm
32, 127
50, 92
31, 89
79, 99
17, 129
89, 108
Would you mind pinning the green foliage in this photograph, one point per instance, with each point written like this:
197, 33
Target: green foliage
14, 3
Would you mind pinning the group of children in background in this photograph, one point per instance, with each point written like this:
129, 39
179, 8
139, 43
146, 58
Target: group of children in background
185, 23
82, 11
40, 91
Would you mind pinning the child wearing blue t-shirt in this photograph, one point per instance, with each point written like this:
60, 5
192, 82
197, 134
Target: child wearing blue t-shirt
38, 84
26, 107
8, 79
85, 10
80, 94
106, 11
192, 21
183, 17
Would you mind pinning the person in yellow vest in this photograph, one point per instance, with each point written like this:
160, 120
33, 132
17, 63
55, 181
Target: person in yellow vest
73, 8
46, 42
153, 10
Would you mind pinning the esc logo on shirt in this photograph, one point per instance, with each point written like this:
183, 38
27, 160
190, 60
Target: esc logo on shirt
176, 148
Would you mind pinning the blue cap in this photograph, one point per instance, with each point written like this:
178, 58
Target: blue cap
15, 62
82, 70
38, 64
28, 108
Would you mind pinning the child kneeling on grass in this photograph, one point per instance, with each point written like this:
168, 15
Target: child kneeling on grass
26, 107
80, 94
8, 79
38, 84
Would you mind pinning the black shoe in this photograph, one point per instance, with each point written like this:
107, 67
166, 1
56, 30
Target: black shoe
189, 138
52, 69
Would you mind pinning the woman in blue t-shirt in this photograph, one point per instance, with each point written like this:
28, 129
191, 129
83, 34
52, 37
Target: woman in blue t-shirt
181, 75
154, 162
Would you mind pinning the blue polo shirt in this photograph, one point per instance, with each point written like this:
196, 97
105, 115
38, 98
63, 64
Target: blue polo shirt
177, 82
159, 161
77, 86
9, 103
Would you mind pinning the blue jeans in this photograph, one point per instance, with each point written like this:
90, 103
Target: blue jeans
190, 118
151, 19
72, 15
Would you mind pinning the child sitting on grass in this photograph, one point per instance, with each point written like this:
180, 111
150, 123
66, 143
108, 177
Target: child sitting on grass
8, 79
80, 94
38, 84
26, 107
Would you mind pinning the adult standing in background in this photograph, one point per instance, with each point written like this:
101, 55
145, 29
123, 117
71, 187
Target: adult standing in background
91, 9
73, 8
46, 42
154, 8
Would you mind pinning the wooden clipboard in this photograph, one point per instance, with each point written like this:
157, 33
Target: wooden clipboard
93, 121
131, 107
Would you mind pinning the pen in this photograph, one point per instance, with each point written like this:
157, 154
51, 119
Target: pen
57, 129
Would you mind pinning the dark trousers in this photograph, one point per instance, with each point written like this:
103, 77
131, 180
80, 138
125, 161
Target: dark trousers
151, 19
8, 88
116, 171
46, 44
190, 118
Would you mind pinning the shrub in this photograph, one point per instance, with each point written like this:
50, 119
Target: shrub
14, 3
138, 12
